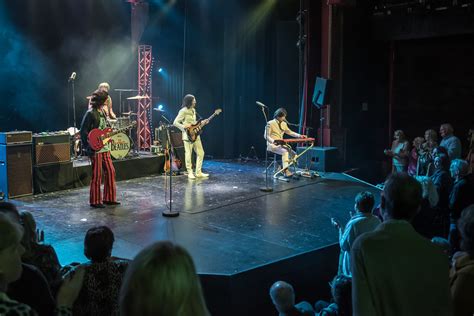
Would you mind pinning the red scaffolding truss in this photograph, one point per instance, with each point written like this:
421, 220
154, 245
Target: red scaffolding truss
145, 65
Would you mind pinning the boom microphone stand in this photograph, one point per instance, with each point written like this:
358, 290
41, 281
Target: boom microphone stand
266, 188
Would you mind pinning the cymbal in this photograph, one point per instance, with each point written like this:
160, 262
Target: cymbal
155, 109
89, 97
129, 113
138, 97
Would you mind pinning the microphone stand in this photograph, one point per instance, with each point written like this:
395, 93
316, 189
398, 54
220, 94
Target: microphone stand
266, 188
169, 146
73, 102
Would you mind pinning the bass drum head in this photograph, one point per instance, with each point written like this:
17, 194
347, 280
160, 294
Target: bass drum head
119, 146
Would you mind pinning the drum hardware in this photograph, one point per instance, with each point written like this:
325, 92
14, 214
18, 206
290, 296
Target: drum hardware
138, 97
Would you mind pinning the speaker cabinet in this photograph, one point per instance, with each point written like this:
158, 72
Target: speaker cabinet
51, 149
16, 175
318, 158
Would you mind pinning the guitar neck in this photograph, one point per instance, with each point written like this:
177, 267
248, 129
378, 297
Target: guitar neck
120, 130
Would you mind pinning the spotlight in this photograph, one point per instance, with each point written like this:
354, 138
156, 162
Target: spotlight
160, 70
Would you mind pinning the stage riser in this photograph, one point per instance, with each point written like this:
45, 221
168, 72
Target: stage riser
246, 293
63, 176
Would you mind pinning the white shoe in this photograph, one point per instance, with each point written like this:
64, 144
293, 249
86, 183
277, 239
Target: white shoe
191, 176
202, 175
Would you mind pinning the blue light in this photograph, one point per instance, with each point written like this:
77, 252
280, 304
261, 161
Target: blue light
160, 107
160, 70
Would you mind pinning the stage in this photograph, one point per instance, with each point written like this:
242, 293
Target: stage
235, 232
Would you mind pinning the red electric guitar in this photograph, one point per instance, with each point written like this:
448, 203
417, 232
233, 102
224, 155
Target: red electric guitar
98, 138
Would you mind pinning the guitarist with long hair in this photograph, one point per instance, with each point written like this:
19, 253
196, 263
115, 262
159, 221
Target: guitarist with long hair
187, 117
101, 160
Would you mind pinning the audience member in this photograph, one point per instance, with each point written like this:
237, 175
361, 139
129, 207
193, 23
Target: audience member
462, 270
399, 152
396, 271
441, 178
31, 288
470, 154
103, 275
341, 287
11, 267
162, 280
283, 297
361, 222
427, 217
431, 140
443, 244
461, 197
41, 256
450, 142
413, 159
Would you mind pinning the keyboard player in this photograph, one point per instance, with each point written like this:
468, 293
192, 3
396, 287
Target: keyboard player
275, 130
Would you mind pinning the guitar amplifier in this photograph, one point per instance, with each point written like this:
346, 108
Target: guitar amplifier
16, 175
16, 137
51, 148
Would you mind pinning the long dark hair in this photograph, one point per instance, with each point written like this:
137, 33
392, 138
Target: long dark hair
188, 101
98, 98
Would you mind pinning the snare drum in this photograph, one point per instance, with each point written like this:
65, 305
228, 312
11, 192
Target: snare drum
119, 146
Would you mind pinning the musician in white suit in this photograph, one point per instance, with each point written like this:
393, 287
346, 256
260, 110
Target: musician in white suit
275, 130
187, 117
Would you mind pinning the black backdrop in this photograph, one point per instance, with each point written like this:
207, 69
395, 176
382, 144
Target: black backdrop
235, 52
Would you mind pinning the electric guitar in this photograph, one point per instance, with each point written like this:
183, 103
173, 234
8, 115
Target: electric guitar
195, 130
98, 138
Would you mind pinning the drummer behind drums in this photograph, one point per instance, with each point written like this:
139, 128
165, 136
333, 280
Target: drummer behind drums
109, 112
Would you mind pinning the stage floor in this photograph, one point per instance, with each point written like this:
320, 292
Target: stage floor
226, 222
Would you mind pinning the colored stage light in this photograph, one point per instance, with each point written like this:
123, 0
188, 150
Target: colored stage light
160, 70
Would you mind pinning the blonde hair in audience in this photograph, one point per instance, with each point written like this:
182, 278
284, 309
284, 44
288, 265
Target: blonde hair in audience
162, 280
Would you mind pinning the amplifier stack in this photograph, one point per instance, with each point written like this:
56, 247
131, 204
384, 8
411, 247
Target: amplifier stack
16, 175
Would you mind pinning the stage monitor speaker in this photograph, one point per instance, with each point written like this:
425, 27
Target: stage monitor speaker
322, 92
54, 148
318, 158
16, 174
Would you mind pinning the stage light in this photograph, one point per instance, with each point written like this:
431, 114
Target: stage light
160, 70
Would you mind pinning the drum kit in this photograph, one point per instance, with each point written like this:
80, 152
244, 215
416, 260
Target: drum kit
121, 143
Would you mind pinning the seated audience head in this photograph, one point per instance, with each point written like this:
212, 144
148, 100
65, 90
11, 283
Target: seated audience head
364, 202
98, 243
439, 150
283, 296
399, 135
10, 210
446, 130
11, 251
459, 168
429, 191
341, 291
401, 197
417, 142
162, 280
431, 135
466, 230
442, 162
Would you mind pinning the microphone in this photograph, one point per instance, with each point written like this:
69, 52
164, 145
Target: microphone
291, 124
73, 76
261, 105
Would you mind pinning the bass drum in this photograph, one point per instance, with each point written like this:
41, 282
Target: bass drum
119, 146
